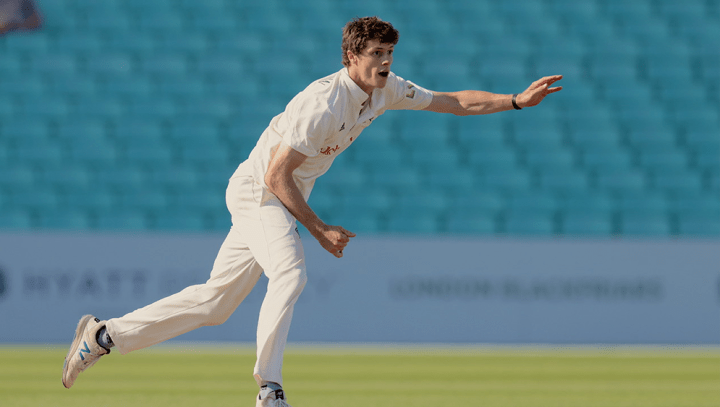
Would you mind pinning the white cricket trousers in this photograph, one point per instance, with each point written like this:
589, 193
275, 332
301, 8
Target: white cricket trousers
263, 238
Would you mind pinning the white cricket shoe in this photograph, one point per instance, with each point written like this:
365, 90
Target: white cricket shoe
271, 398
84, 350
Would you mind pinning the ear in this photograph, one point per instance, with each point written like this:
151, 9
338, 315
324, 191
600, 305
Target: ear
352, 57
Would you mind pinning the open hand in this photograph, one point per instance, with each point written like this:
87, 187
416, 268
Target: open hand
534, 94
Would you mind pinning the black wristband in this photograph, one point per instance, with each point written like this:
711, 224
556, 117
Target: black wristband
514, 102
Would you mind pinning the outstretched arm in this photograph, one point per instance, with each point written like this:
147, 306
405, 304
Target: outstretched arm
474, 102
280, 182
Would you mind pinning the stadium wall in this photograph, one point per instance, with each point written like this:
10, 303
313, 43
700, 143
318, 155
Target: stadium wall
385, 289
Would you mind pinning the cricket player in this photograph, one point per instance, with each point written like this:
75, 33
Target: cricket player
268, 194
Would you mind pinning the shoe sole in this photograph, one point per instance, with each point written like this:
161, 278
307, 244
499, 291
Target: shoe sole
84, 321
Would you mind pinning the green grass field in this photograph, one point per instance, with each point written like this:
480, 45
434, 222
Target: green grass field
187, 375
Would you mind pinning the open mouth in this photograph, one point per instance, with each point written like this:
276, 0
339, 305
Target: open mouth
384, 74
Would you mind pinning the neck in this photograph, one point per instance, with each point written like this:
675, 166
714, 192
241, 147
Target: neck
355, 76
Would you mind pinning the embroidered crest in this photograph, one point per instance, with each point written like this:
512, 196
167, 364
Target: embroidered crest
411, 92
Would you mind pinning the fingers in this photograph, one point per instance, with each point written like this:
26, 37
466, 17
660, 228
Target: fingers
347, 232
546, 80
550, 79
337, 240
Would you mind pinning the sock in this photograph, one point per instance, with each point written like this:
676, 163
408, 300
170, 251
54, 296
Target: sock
104, 339
273, 386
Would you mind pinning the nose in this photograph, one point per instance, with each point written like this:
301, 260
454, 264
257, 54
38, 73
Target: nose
388, 60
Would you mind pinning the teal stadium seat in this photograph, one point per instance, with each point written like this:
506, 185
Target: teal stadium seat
195, 44
425, 200
134, 88
587, 224
158, 21
535, 202
110, 65
413, 223
206, 106
561, 180
641, 224
480, 224
134, 42
175, 178
643, 202
209, 153
93, 199
26, 43
145, 199
614, 180
95, 153
147, 153
496, 159
550, 159
156, 107
481, 132
699, 226
53, 64
64, 219
529, 224
510, 179
371, 199
340, 177
51, 154
16, 177
367, 220
77, 43
450, 177
16, 219
708, 160
107, 24
35, 200
122, 220
204, 199
483, 201
676, 180
120, 179
63, 177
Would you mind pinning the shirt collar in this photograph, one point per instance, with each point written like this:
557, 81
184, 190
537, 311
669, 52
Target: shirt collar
357, 95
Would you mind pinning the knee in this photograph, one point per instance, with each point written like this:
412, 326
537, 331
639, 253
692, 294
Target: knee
293, 281
218, 315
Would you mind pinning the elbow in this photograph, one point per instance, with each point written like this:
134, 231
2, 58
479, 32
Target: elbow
271, 181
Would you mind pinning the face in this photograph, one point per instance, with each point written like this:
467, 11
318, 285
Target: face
371, 68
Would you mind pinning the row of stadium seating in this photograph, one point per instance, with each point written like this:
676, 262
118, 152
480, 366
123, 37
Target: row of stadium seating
132, 115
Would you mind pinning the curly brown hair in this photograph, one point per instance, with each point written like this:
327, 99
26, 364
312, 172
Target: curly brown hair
359, 31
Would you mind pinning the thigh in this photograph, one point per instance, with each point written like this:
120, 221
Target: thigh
265, 226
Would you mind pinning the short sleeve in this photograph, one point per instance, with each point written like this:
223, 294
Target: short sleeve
407, 95
305, 127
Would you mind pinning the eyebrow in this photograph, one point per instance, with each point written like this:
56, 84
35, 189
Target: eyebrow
381, 48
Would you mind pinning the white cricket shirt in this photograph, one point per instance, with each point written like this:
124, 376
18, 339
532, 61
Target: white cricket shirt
324, 119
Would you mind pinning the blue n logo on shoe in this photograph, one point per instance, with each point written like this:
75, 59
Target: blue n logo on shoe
86, 350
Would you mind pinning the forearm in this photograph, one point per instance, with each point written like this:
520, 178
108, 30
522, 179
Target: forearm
477, 102
470, 102
284, 188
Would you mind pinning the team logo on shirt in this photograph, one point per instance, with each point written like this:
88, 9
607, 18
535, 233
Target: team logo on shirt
342, 127
329, 150
411, 92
